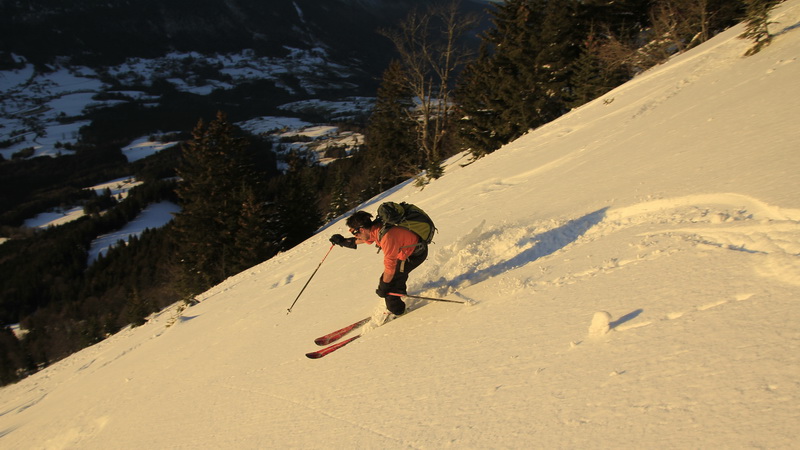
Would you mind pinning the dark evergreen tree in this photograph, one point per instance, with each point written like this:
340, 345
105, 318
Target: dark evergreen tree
137, 309
620, 28
256, 239
622, 18
678, 25
542, 57
515, 85
339, 197
561, 37
718, 15
295, 197
13, 360
216, 172
517, 45
477, 118
592, 76
757, 24
392, 154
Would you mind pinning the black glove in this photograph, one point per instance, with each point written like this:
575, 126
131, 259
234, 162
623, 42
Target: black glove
383, 288
341, 241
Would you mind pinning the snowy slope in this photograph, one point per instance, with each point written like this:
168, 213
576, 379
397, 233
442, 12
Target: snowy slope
671, 204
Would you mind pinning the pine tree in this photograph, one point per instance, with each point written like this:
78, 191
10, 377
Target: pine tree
339, 200
477, 118
137, 309
517, 45
13, 360
757, 24
392, 154
622, 18
621, 24
215, 172
256, 239
295, 196
503, 94
592, 76
560, 37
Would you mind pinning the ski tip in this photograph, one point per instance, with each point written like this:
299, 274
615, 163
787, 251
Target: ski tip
332, 348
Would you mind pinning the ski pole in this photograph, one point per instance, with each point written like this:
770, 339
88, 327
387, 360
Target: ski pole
309, 279
426, 298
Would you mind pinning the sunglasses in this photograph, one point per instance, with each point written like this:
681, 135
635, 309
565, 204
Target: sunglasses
355, 231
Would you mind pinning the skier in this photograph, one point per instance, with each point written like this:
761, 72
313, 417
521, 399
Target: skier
403, 251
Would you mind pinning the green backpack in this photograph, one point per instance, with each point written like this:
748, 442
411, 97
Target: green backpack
408, 216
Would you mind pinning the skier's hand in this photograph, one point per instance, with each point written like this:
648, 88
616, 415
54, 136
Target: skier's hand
383, 288
341, 241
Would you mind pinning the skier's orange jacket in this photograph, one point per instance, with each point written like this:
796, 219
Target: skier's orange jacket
397, 244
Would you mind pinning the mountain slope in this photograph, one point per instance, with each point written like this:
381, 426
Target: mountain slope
670, 204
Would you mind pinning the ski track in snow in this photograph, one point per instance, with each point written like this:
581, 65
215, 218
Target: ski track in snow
725, 221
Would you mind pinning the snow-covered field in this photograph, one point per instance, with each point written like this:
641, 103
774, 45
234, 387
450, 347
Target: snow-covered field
153, 216
633, 271
47, 100
119, 189
56, 101
143, 147
290, 134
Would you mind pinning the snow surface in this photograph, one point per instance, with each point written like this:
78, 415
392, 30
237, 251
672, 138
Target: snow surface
60, 94
153, 216
312, 140
633, 269
143, 147
119, 189
58, 99
58, 216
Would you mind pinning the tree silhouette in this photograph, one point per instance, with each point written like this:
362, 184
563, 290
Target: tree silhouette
757, 24
217, 179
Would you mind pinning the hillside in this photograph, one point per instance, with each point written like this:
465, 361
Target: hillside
670, 204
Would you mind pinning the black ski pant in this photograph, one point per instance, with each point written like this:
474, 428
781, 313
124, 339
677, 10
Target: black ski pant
398, 284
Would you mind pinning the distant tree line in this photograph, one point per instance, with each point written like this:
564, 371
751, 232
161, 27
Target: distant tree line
537, 60
542, 58
61, 302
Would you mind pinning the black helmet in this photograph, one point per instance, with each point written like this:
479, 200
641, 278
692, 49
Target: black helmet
360, 219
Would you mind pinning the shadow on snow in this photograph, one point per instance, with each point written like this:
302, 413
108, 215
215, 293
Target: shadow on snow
546, 244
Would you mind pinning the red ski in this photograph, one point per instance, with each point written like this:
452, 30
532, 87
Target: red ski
338, 334
326, 350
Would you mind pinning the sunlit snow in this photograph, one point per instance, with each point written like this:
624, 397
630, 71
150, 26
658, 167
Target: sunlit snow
632, 272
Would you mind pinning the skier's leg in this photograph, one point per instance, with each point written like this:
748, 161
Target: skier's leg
398, 284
